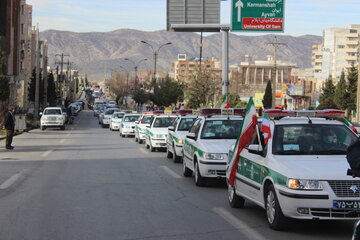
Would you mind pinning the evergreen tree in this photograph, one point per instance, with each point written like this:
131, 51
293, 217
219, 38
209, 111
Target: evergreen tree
4, 83
51, 90
267, 100
341, 95
31, 88
352, 88
167, 92
327, 96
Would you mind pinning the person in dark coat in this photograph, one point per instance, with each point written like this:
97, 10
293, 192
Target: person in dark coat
10, 127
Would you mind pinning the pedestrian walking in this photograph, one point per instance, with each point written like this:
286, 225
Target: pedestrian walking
10, 127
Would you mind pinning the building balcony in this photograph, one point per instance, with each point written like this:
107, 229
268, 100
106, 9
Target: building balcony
352, 35
352, 42
351, 58
351, 50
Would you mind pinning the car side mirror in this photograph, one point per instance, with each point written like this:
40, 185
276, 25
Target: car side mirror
191, 136
148, 126
255, 149
171, 128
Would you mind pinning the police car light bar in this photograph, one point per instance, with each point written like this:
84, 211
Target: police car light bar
147, 112
158, 112
185, 112
225, 111
327, 113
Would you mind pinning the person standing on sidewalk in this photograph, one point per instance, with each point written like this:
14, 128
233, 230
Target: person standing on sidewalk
10, 127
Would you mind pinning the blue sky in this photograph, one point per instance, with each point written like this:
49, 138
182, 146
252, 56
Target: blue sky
301, 16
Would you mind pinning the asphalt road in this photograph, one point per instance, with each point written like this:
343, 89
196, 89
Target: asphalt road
89, 183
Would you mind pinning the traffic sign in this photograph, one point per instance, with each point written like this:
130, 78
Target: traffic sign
257, 15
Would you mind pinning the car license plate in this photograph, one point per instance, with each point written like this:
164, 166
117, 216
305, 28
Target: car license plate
339, 204
163, 144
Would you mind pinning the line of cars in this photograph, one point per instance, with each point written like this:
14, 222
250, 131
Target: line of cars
58, 117
300, 172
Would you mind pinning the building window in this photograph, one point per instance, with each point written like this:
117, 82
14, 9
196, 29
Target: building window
22, 28
22, 9
340, 46
353, 31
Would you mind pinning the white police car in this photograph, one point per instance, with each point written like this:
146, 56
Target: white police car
177, 134
156, 132
106, 116
116, 120
207, 144
127, 126
301, 171
140, 126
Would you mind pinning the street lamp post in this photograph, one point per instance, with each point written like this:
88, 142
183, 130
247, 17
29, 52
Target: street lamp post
156, 53
136, 65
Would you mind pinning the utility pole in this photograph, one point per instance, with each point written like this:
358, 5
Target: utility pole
276, 45
201, 48
61, 80
45, 73
37, 81
225, 60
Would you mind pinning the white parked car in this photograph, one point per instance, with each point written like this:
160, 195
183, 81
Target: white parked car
52, 117
207, 144
116, 120
301, 172
105, 117
127, 127
141, 126
177, 134
156, 132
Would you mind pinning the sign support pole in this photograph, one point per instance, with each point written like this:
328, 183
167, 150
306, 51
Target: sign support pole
225, 60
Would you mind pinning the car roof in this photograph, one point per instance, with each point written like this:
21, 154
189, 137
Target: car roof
305, 120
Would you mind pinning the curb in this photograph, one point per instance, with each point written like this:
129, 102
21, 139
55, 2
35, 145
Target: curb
19, 133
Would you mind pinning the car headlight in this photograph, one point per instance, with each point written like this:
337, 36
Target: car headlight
180, 141
60, 118
214, 156
301, 184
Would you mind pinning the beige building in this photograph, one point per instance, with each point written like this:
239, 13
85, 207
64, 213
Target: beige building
184, 69
24, 54
337, 53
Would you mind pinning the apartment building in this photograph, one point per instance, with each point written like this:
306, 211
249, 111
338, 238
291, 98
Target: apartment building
337, 53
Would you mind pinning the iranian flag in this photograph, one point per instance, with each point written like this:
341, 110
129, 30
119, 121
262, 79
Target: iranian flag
225, 102
350, 125
246, 134
265, 128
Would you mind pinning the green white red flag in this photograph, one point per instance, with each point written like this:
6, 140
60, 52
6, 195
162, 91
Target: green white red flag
246, 135
350, 125
225, 102
265, 128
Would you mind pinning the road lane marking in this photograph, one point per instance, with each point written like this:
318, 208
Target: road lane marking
45, 154
62, 141
10, 181
68, 135
143, 151
170, 172
238, 224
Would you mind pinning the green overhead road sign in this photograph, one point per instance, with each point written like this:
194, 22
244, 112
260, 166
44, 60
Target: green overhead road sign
257, 15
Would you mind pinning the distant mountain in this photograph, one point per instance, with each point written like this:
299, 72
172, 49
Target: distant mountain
97, 52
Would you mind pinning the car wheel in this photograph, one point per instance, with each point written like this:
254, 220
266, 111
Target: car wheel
186, 171
43, 128
235, 201
136, 139
152, 149
147, 145
140, 141
274, 215
62, 127
168, 153
102, 125
175, 157
200, 181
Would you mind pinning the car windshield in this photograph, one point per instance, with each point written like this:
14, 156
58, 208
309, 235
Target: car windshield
52, 112
131, 118
118, 115
146, 119
163, 122
185, 124
221, 129
312, 139
110, 111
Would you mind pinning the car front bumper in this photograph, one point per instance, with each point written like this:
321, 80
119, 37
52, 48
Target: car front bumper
212, 168
158, 143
